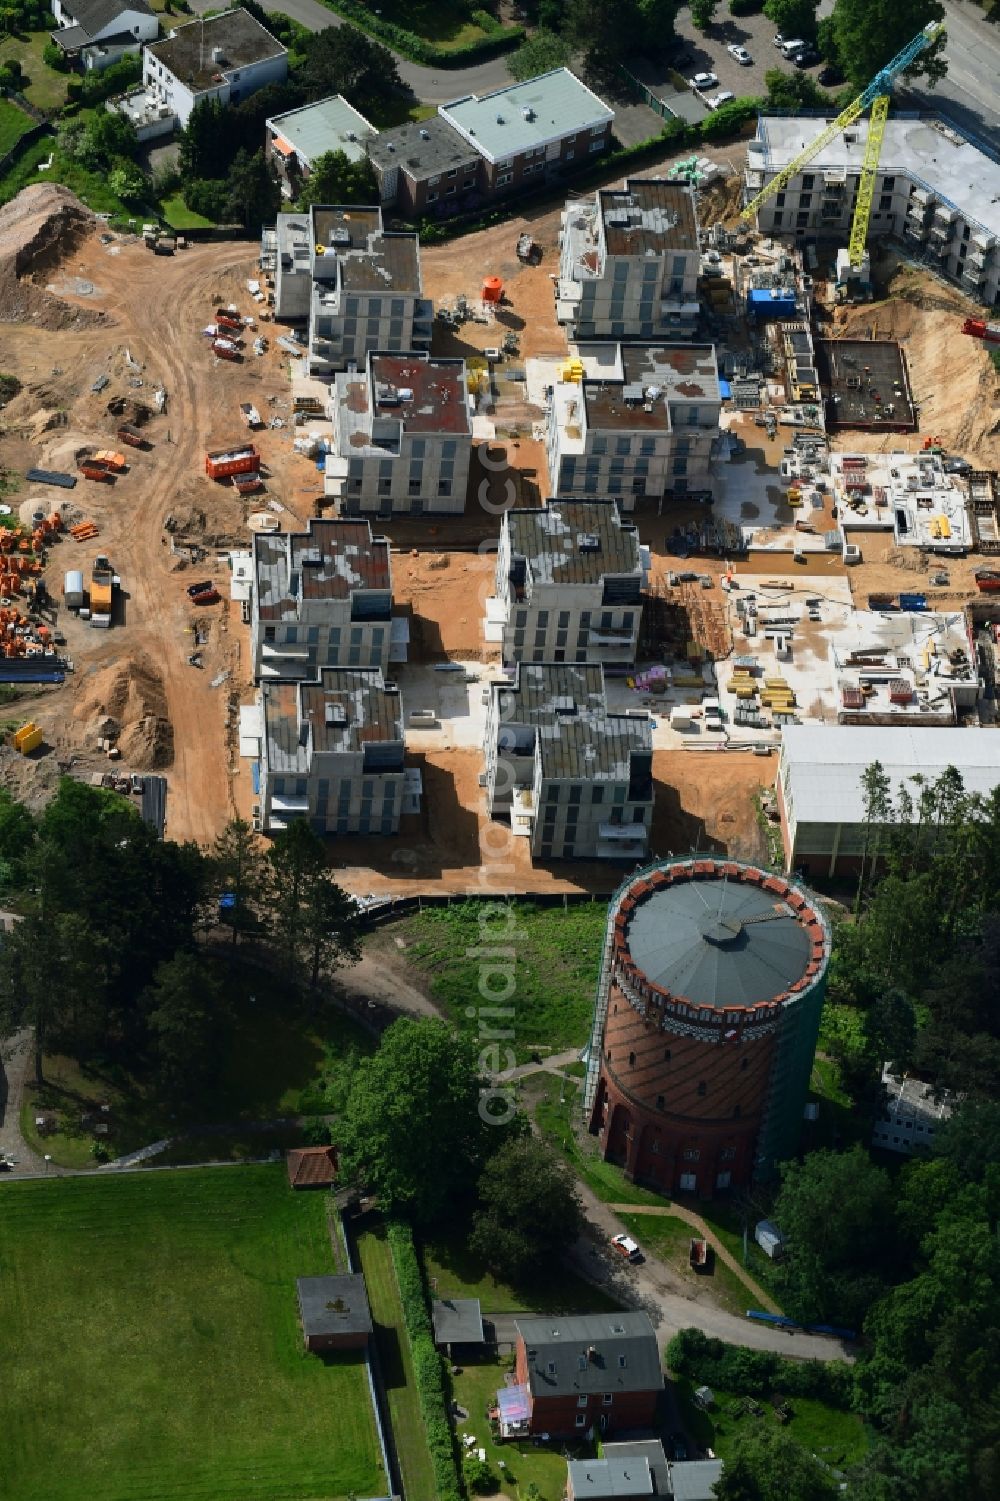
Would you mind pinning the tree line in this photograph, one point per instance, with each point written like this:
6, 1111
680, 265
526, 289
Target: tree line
104, 962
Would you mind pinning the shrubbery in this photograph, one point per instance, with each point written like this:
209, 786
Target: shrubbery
745, 7
500, 39
757, 1373
427, 1365
93, 88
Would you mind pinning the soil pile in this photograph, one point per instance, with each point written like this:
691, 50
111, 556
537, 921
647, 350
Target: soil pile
38, 228
130, 695
954, 383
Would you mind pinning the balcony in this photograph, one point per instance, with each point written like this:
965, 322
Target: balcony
523, 810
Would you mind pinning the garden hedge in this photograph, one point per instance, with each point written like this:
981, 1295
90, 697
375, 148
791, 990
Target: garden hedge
418, 49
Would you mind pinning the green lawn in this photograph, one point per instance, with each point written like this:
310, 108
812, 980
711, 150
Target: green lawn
396, 1361
837, 1437
13, 124
176, 213
669, 1239
46, 88
554, 958
453, 1271
277, 1064
150, 1341
25, 169
556, 1108
476, 1389
446, 23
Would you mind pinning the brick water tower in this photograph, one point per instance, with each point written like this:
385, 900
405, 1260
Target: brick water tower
705, 1024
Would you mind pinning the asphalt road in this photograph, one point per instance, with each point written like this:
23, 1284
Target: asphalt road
970, 94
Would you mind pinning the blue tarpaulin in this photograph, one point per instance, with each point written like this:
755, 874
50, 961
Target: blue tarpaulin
255, 774
725, 390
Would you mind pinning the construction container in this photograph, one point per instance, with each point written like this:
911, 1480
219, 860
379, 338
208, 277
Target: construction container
222, 463
130, 435
73, 591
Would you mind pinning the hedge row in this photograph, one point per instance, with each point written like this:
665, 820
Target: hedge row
417, 48
757, 1373
427, 1364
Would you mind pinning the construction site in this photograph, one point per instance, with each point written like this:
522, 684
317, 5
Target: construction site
140, 453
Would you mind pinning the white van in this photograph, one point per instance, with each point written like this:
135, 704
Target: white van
789, 49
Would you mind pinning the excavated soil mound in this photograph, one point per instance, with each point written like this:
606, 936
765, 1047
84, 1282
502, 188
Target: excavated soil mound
38, 229
131, 694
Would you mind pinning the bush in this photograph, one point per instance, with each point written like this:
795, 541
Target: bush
486, 22
757, 1373
427, 1367
745, 7
417, 48
479, 1478
96, 87
729, 118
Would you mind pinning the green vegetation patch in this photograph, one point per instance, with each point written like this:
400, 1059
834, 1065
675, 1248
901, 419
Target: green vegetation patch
149, 1330
525, 1463
44, 87
557, 1108
13, 125
176, 213
551, 956
452, 1270
835, 1436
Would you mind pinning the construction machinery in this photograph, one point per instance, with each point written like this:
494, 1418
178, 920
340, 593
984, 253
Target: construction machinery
876, 97
977, 328
102, 589
250, 415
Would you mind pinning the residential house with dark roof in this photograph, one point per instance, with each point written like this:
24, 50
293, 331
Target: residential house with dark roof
331, 751
594, 1372
424, 167
402, 435
97, 33
629, 264
334, 1312
322, 598
226, 57
569, 582
572, 778
634, 422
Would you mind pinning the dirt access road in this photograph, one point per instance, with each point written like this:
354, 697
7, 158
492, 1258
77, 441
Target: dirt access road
155, 308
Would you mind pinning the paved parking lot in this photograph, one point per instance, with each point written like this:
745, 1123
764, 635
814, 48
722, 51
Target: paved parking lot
709, 55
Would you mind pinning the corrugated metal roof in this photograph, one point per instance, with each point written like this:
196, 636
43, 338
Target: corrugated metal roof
825, 763
558, 541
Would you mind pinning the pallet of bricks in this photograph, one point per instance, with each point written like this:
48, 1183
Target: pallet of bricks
777, 696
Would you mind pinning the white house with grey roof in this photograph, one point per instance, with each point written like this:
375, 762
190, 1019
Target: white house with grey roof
629, 263
639, 423
936, 191
330, 751
226, 57
102, 32
572, 778
529, 133
569, 583
322, 598
402, 436
296, 139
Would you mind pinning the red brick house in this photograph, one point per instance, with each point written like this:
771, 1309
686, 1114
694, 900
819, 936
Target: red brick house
597, 1371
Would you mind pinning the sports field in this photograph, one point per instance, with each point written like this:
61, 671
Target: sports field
151, 1350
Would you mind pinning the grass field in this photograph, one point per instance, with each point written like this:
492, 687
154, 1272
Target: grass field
555, 958
177, 214
46, 88
837, 1437
151, 1347
453, 1271
13, 124
396, 1361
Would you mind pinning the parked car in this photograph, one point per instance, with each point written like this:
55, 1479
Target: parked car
807, 58
722, 98
704, 81
627, 1247
830, 75
677, 1448
194, 589
741, 54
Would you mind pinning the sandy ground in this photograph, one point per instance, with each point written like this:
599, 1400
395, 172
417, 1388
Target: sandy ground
154, 307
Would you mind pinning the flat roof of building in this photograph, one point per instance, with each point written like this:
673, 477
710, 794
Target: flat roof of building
328, 125
350, 246
574, 541
401, 393
343, 227
345, 710
605, 1479
566, 706
928, 150
524, 116
643, 381
457, 1321
825, 763
422, 148
647, 217
332, 560
187, 51
695, 1479
334, 1305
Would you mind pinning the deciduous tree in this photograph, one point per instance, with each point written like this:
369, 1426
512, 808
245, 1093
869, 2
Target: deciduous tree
768, 1465
342, 60
529, 1211
336, 179
869, 34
